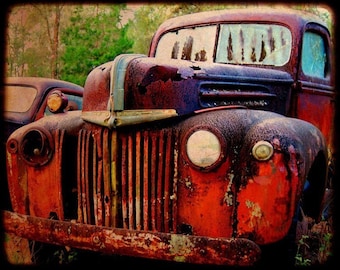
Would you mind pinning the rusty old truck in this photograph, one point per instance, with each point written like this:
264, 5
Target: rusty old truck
203, 152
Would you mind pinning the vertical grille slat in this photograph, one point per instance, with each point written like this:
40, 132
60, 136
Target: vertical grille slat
124, 182
99, 181
107, 177
130, 182
98, 135
83, 179
153, 184
138, 182
167, 179
159, 184
79, 172
114, 184
95, 187
175, 180
127, 179
86, 181
146, 180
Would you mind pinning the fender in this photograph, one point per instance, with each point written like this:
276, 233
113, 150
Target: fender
261, 196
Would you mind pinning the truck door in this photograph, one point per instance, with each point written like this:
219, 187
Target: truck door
314, 93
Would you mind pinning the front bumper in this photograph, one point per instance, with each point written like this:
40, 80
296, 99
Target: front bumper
144, 244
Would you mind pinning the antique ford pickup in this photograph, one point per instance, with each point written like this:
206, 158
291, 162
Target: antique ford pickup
203, 152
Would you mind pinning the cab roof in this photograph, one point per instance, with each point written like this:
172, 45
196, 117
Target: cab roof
259, 13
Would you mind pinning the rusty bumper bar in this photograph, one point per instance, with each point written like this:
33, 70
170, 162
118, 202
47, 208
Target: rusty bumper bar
146, 244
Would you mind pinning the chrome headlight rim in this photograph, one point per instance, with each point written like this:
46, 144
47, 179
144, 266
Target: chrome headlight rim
217, 158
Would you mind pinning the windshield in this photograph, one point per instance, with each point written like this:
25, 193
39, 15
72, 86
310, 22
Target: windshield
188, 44
258, 44
18, 98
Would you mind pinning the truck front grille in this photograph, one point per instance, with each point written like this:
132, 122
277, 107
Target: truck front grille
127, 179
221, 94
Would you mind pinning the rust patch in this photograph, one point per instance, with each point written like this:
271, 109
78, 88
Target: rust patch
154, 245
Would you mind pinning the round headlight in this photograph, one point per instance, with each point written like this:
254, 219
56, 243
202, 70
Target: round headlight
35, 147
203, 148
262, 150
56, 101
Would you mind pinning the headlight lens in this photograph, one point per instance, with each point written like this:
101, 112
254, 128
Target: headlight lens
56, 101
262, 150
203, 148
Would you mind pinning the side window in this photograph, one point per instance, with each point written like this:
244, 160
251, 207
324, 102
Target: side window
19, 98
314, 55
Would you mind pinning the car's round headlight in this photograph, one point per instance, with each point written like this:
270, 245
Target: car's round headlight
262, 150
36, 147
56, 101
203, 149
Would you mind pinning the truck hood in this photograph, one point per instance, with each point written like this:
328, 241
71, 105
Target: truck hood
187, 86
134, 88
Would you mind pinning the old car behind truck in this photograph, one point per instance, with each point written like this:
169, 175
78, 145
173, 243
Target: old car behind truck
25, 100
203, 152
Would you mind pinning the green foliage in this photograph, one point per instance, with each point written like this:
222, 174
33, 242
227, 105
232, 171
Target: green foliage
89, 35
94, 36
65, 256
326, 246
300, 257
146, 21
315, 247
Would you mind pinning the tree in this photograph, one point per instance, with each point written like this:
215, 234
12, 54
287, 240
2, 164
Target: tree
18, 36
33, 40
144, 24
95, 36
51, 15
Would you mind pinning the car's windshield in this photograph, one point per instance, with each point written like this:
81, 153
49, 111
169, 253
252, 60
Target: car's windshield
18, 98
246, 43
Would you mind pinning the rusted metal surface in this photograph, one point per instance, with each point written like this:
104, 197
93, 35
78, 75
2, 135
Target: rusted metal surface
127, 117
241, 187
211, 85
156, 188
312, 96
28, 185
25, 101
142, 193
179, 248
